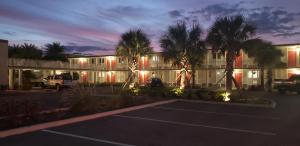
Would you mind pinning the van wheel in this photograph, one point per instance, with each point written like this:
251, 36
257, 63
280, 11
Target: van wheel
57, 87
281, 91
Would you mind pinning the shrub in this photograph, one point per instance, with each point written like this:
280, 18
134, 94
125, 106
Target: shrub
82, 101
177, 92
3, 87
27, 86
154, 91
20, 112
203, 94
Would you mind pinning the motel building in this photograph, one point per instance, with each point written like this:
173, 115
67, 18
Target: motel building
112, 69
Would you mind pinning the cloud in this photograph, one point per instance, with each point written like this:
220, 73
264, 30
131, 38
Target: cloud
176, 13
83, 49
129, 11
271, 20
58, 29
287, 34
9, 33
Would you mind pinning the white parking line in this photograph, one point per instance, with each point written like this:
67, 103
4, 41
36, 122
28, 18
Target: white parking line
198, 125
86, 138
217, 113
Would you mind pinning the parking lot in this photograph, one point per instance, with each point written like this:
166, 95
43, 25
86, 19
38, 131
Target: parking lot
175, 124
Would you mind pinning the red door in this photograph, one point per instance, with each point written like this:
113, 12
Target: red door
143, 77
291, 58
84, 77
239, 61
239, 78
113, 77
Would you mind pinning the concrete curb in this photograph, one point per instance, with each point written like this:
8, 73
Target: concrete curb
272, 105
37, 127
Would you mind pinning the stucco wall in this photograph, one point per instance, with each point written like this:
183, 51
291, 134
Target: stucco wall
3, 62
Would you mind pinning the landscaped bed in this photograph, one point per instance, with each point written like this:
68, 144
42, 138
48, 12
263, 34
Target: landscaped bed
84, 100
80, 100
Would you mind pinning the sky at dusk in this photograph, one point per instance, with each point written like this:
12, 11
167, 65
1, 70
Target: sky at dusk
95, 26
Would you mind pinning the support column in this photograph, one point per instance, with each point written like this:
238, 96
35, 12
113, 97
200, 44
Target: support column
72, 74
20, 78
53, 72
11, 79
80, 77
95, 77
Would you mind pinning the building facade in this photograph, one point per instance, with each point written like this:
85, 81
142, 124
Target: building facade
4, 62
113, 69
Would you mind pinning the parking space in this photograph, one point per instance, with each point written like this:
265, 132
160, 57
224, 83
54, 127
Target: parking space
175, 124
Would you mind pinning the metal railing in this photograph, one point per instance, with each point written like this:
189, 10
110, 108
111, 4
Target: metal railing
43, 64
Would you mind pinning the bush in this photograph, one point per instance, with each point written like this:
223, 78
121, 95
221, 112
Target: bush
82, 101
177, 92
20, 112
3, 87
27, 86
161, 92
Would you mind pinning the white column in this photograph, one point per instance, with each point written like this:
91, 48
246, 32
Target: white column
80, 77
11, 79
20, 78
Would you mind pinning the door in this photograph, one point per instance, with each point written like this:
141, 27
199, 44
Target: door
239, 78
292, 58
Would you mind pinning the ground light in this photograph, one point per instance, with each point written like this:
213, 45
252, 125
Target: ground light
225, 96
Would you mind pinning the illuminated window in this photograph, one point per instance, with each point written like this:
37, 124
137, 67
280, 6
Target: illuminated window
155, 58
252, 74
101, 74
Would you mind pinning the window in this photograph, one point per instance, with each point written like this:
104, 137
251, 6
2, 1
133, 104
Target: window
101, 60
92, 60
121, 60
155, 58
252, 74
214, 55
101, 74
57, 77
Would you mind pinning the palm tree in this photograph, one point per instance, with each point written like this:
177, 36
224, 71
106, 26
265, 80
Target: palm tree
184, 48
26, 51
55, 51
132, 46
258, 49
227, 36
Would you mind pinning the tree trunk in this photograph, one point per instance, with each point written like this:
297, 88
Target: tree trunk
193, 76
131, 77
262, 78
270, 78
229, 69
182, 78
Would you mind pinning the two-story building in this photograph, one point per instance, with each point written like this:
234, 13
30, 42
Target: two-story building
113, 69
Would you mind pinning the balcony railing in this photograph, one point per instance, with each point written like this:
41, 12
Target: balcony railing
28, 63
42, 64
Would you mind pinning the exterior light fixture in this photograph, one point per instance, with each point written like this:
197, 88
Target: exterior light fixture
226, 96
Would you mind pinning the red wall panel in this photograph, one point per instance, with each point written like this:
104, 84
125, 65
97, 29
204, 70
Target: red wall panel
292, 58
239, 78
239, 61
